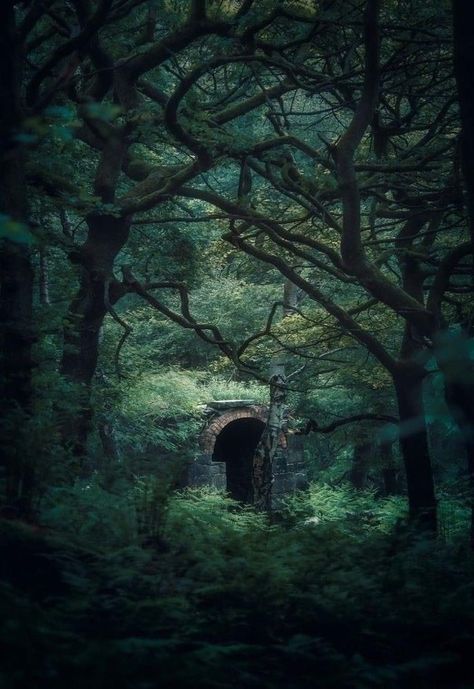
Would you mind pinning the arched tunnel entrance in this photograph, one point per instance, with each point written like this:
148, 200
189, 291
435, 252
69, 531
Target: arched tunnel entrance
235, 445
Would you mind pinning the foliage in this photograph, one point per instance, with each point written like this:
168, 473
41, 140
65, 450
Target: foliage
180, 215
90, 515
352, 509
224, 598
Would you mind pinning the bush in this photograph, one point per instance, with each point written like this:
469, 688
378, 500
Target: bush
353, 510
221, 597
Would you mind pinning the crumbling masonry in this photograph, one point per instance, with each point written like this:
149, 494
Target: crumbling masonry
227, 445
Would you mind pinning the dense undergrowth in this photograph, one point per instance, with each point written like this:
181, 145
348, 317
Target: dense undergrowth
149, 588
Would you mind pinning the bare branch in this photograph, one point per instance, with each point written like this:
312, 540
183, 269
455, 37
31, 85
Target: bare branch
313, 427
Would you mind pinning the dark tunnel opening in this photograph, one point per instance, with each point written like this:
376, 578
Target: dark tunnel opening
235, 445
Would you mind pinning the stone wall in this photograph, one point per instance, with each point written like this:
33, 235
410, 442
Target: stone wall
204, 472
288, 468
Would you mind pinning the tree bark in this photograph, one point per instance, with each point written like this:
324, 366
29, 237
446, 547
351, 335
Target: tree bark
16, 289
110, 452
43, 278
290, 298
460, 397
414, 447
460, 400
262, 475
262, 478
389, 470
358, 472
408, 381
107, 235
463, 71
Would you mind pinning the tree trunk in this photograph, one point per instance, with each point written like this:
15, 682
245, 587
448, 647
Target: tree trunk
389, 470
460, 396
359, 465
16, 289
290, 298
107, 235
414, 448
262, 475
460, 400
409, 390
454, 359
463, 69
43, 278
111, 455
262, 478
79, 359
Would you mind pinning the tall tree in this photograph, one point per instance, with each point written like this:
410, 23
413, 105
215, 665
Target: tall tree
350, 154
354, 265
16, 272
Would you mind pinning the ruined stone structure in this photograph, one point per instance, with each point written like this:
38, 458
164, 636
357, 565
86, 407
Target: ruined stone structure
227, 445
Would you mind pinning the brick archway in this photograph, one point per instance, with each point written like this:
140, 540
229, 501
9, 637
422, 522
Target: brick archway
227, 449
209, 435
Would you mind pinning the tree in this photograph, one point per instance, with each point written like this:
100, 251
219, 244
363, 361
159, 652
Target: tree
16, 289
349, 149
353, 263
115, 142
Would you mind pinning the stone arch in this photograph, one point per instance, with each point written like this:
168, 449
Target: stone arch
227, 447
208, 437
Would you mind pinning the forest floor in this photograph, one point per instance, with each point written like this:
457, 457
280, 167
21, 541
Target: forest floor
217, 597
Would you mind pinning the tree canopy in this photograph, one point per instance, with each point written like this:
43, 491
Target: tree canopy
231, 199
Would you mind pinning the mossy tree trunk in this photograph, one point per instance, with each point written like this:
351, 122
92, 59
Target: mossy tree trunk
414, 447
460, 397
106, 236
16, 287
262, 478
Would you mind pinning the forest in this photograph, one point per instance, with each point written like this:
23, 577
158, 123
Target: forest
237, 344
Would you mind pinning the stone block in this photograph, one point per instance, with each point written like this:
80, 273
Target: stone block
217, 475
295, 442
204, 458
